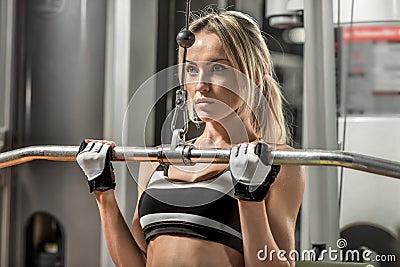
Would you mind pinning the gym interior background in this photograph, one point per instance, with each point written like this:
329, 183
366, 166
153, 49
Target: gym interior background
68, 69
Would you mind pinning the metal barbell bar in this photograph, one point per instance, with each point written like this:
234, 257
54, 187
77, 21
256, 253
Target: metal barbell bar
185, 154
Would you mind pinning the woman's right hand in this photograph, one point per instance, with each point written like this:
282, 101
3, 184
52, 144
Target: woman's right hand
94, 158
252, 170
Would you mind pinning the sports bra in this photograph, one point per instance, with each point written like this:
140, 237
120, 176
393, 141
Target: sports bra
204, 209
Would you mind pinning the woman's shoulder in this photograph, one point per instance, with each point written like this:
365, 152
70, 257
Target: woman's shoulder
290, 171
146, 169
283, 147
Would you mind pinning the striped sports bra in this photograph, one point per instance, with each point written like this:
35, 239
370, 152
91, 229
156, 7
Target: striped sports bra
204, 209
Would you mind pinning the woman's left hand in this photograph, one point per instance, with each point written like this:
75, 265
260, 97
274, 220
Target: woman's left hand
251, 170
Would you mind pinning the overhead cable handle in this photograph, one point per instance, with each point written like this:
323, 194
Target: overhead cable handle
185, 39
191, 155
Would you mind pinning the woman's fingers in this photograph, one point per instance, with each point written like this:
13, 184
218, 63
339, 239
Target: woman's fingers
111, 143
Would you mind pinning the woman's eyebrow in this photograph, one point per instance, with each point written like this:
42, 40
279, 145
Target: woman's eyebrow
208, 62
218, 59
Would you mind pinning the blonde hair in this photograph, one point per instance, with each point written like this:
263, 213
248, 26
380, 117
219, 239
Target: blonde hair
247, 51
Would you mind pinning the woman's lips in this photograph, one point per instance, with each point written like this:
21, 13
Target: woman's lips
202, 102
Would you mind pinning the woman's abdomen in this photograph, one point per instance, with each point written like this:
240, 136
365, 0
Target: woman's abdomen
182, 250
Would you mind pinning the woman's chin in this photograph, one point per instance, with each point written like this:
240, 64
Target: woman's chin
213, 117
206, 117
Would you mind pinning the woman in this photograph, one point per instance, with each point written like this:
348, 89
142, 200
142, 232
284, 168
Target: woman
183, 217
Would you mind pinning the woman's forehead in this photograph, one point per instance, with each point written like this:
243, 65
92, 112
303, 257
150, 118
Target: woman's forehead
207, 47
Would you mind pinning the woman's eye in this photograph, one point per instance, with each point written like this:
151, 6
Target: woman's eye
218, 67
191, 70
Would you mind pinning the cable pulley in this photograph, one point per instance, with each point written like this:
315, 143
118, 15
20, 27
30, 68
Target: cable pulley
185, 39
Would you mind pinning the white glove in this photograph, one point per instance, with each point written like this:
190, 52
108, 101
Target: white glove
250, 166
94, 158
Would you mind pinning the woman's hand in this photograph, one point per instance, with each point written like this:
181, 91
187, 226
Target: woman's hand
94, 158
251, 170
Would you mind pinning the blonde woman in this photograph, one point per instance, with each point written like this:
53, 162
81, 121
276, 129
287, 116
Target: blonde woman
212, 214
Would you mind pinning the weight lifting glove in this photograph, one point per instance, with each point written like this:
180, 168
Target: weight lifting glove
251, 170
94, 158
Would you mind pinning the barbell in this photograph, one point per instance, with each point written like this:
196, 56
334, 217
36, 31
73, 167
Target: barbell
188, 154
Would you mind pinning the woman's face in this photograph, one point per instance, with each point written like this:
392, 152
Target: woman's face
210, 79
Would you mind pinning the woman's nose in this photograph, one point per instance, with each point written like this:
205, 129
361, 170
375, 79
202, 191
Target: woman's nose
202, 87
203, 84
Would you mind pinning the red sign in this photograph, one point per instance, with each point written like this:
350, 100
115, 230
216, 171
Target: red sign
371, 33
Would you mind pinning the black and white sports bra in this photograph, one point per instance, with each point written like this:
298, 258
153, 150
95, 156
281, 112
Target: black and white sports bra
204, 209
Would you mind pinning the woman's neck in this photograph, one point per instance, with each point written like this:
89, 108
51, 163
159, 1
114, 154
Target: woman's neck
225, 133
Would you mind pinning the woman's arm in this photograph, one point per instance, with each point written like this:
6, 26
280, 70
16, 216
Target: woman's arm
146, 169
127, 246
122, 246
94, 157
268, 227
